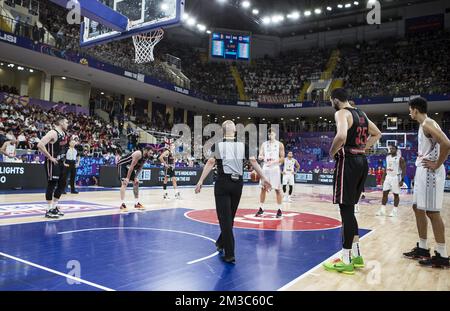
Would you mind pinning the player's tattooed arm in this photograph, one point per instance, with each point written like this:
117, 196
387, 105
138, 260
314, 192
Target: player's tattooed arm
136, 157
51, 136
375, 135
431, 128
341, 131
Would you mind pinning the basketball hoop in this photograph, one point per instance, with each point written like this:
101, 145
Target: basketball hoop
144, 44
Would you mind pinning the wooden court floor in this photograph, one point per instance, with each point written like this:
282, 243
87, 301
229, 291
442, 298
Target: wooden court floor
382, 248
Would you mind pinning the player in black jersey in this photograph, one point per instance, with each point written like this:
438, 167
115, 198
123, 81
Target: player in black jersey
168, 161
129, 167
355, 134
51, 145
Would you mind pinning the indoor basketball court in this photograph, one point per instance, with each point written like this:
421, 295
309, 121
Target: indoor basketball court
224, 146
125, 251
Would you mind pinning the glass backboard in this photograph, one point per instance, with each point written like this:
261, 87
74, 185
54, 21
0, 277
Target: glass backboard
143, 16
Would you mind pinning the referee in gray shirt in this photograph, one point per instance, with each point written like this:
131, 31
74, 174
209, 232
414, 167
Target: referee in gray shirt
229, 156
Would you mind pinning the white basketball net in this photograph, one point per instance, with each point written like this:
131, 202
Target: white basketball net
144, 45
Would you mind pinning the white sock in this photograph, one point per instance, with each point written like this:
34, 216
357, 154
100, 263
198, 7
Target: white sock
279, 206
423, 243
49, 206
136, 201
261, 205
383, 208
55, 204
346, 256
441, 249
123, 202
356, 251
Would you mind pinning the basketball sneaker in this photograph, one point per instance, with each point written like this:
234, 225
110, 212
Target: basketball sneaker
123, 206
356, 208
339, 266
51, 214
394, 212
166, 196
381, 211
358, 262
58, 211
259, 212
178, 196
139, 206
418, 253
436, 261
279, 214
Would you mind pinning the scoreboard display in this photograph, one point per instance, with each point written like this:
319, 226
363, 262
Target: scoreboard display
230, 46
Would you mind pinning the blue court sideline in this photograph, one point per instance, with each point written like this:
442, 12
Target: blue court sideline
155, 250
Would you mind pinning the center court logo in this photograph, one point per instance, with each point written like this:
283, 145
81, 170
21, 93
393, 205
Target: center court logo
291, 221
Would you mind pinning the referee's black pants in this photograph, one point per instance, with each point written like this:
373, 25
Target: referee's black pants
72, 171
227, 195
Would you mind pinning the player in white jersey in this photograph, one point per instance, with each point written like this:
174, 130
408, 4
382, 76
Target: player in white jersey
290, 168
272, 154
393, 178
433, 151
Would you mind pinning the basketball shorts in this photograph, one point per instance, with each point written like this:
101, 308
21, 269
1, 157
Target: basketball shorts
350, 175
54, 171
273, 175
288, 179
391, 183
123, 172
429, 189
170, 172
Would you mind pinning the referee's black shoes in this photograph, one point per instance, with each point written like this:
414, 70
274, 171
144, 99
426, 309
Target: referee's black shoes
219, 248
230, 260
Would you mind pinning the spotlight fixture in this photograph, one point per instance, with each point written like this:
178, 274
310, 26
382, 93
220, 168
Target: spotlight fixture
245, 4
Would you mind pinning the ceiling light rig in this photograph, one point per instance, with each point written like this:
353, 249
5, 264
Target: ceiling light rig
270, 18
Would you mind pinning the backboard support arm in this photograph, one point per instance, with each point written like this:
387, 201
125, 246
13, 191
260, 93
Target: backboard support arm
100, 13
